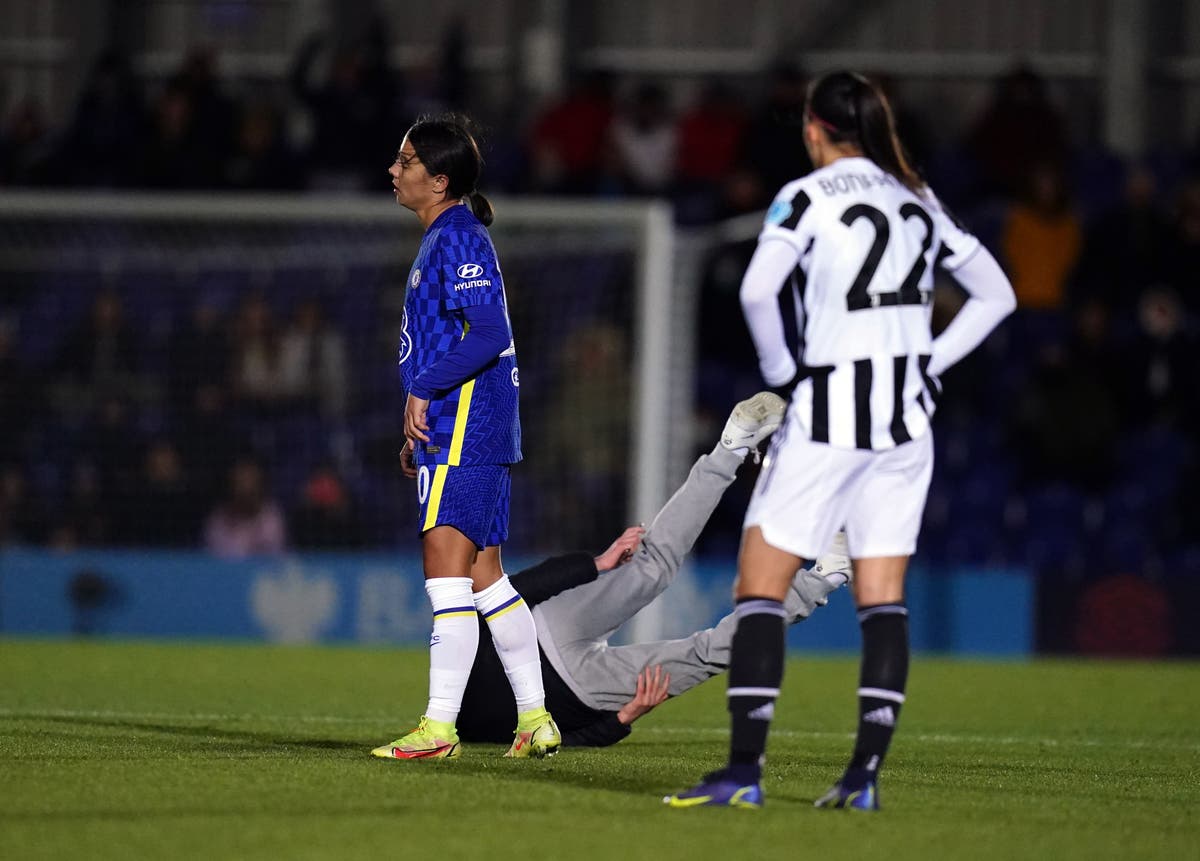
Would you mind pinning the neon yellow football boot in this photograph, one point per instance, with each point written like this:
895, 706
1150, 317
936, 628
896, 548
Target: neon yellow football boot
432, 739
536, 735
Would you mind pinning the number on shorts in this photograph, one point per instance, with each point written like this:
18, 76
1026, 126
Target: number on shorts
423, 484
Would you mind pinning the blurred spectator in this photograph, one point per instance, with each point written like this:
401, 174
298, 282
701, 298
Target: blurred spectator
162, 510
98, 356
723, 331
209, 441
176, 155
711, 134
1019, 129
644, 142
106, 136
256, 365
22, 515
198, 354
212, 112
1183, 253
354, 133
247, 522
775, 153
588, 435
1126, 249
262, 157
710, 138
1164, 362
569, 139
24, 145
327, 516
1067, 419
19, 397
455, 76
109, 440
86, 517
441, 82
1042, 240
313, 361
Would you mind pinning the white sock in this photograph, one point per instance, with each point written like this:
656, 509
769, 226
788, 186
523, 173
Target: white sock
452, 646
515, 636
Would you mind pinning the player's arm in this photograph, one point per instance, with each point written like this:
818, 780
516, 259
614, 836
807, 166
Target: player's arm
554, 575
621, 550
486, 337
471, 285
602, 733
990, 300
990, 296
780, 247
653, 687
560, 573
769, 268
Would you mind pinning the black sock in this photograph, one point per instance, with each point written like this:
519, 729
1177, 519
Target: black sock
755, 674
881, 681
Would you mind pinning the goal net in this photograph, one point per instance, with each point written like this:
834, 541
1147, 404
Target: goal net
158, 323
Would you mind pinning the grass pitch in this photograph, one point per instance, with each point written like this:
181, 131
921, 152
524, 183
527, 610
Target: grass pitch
153, 750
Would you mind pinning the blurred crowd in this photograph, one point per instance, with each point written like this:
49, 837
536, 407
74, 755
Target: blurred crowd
344, 112
1081, 411
196, 474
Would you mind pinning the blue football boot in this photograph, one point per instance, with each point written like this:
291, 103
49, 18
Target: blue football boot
716, 789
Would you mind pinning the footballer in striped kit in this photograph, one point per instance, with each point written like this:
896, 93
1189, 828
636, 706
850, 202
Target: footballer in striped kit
856, 243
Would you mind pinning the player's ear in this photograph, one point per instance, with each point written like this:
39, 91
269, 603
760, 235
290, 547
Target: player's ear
812, 133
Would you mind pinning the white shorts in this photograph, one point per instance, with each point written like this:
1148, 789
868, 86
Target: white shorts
808, 490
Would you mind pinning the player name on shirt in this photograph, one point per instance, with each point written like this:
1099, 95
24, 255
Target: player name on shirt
845, 183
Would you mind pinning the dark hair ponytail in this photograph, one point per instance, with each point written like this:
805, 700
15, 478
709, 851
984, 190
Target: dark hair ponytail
446, 146
851, 109
482, 207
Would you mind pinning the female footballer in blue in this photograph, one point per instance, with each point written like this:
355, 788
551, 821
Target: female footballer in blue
458, 363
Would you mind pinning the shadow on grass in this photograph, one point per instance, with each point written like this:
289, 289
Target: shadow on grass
248, 740
666, 766
645, 770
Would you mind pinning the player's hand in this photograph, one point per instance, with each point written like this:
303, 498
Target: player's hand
653, 688
621, 550
415, 426
408, 462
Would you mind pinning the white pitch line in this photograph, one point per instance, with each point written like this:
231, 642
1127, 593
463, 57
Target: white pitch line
936, 738
105, 714
956, 738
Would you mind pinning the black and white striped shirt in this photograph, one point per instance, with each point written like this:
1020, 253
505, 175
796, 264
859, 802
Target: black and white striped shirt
857, 249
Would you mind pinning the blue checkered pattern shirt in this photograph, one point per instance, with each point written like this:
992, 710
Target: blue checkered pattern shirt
475, 421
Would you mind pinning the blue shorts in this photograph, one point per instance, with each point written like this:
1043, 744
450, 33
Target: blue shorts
472, 499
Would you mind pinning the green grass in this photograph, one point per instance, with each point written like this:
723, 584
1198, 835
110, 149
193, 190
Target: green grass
152, 750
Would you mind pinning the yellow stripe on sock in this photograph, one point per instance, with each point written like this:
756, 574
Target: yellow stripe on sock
460, 422
435, 496
499, 613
